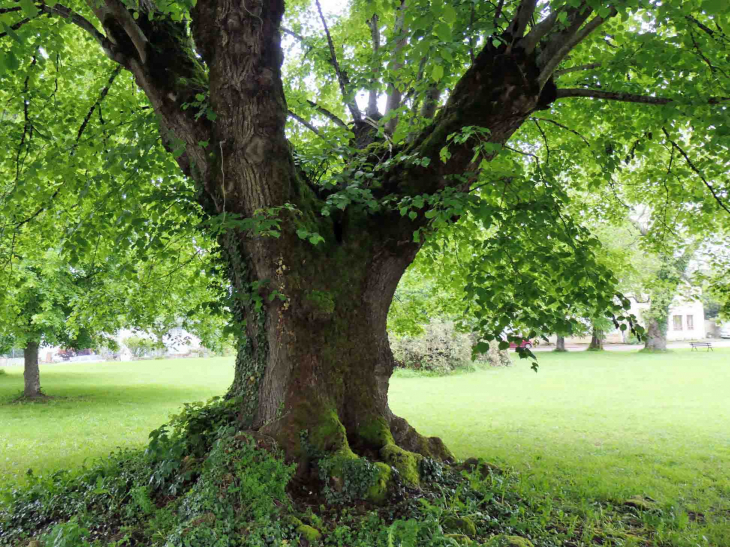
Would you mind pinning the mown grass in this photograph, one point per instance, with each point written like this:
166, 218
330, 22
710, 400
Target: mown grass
96, 407
585, 432
597, 427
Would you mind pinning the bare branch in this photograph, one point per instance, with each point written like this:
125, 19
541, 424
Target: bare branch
372, 110
697, 171
97, 104
83, 23
552, 63
560, 125
10, 10
341, 76
16, 26
626, 97
304, 122
322, 110
394, 94
578, 68
293, 34
498, 13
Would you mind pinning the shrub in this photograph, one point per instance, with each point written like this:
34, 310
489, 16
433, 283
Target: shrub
139, 346
440, 349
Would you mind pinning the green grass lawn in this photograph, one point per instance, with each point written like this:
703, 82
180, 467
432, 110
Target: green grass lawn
97, 407
591, 426
587, 427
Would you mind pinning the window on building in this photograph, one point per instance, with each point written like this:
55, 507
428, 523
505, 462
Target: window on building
677, 322
690, 322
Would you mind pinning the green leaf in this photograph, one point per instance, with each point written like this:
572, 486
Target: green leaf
10, 32
437, 73
449, 14
443, 31
29, 9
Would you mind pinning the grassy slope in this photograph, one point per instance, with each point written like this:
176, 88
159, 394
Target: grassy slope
586, 427
98, 407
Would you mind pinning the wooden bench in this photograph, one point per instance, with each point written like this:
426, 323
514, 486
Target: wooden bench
696, 345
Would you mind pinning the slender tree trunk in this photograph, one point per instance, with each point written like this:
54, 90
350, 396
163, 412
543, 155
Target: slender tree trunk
31, 372
560, 344
656, 336
596, 340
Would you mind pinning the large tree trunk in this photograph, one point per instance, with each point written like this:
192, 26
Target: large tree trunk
596, 340
317, 360
314, 354
560, 344
656, 336
31, 372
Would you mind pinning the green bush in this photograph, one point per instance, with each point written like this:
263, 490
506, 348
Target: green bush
140, 346
440, 349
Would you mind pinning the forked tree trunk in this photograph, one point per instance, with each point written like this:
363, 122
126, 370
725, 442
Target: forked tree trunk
596, 340
656, 336
31, 371
314, 357
560, 344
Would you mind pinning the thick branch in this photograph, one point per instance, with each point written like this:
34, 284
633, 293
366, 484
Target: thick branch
539, 31
521, 18
341, 76
553, 42
697, 171
552, 63
626, 97
120, 12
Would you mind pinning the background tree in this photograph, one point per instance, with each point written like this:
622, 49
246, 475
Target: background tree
469, 91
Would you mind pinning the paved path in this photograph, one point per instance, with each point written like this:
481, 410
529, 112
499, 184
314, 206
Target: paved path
716, 343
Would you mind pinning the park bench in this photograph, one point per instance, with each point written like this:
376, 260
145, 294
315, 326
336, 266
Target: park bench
696, 345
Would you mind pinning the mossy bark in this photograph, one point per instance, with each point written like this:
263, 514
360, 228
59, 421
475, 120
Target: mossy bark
317, 359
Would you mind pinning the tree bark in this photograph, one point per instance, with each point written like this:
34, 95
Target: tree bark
656, 336
596, 340
560, 344
31, 372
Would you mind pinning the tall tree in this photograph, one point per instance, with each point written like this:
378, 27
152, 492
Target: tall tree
471, 94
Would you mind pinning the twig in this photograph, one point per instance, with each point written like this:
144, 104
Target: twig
697, 171
625, 97
341, 77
